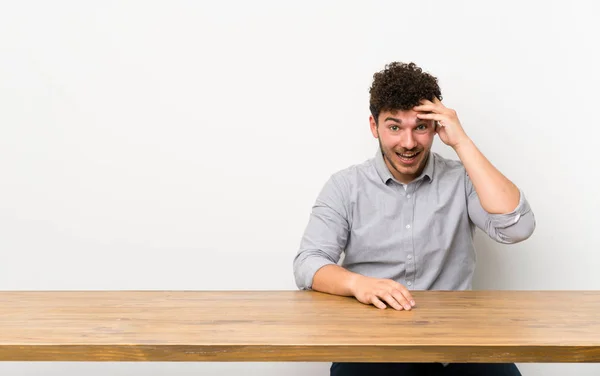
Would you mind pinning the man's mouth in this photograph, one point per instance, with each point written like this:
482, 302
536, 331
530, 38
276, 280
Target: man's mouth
408, 158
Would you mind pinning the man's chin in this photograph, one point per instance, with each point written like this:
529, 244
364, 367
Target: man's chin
411, 169
413, 165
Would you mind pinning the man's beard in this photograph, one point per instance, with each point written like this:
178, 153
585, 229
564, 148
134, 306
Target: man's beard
394, 164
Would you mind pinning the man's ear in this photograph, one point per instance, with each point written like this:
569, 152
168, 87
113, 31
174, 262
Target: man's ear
373, 125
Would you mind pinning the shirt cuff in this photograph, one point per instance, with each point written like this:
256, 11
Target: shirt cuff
310, 268
509, 219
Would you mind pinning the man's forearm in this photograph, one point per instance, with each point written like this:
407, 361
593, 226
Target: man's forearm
333, 279
497, 194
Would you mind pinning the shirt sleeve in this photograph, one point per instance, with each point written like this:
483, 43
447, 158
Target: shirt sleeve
509, 228
326, 234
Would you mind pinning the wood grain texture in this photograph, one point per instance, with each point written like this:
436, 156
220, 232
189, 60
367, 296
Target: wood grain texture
445, 326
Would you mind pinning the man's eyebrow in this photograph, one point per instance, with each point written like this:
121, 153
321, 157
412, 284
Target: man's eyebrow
418, 120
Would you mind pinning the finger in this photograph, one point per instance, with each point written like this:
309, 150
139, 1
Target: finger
439, 103
391, 300
378, 303
431, 116
426, 108
438, 127
406, 294
400, 298
438, 118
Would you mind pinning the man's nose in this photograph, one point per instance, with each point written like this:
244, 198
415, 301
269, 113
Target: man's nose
408, 141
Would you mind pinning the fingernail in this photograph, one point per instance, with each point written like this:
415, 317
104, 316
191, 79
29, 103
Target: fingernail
412, 302
407, 307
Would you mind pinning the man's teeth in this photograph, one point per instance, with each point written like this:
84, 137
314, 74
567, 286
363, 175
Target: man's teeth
407, 155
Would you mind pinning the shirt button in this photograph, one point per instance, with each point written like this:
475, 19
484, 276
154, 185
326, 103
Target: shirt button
410, 257
409, 283
407, 196
407, 226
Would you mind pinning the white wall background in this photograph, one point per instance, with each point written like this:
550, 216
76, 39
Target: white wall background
181, 144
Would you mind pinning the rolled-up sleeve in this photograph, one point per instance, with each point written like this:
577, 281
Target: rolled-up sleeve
508, 228
326, 234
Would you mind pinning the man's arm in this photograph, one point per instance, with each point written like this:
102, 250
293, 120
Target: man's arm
507, 228
325, 236
336, 280
333, 279
324, 240
495, 204
496, 193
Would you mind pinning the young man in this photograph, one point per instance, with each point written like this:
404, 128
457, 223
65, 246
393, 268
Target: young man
405, 219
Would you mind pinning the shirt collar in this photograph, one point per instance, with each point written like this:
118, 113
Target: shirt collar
385, 174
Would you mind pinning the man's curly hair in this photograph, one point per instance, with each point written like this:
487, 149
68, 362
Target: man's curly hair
401, 86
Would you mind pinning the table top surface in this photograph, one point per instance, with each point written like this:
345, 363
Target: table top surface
540, 326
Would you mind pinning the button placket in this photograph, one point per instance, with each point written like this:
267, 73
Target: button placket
408, 241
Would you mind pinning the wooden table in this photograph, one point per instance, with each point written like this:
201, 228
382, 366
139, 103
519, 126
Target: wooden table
468, 326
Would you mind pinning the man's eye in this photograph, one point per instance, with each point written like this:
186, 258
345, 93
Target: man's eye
394, 128
421, 127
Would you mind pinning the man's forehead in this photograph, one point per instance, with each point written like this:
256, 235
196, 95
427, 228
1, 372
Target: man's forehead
400, 116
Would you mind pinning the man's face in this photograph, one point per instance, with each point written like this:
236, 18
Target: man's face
405, 142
